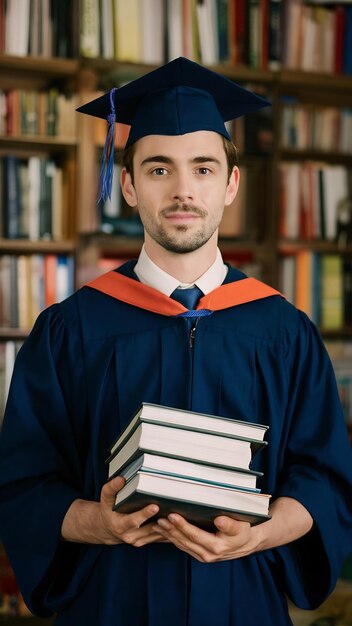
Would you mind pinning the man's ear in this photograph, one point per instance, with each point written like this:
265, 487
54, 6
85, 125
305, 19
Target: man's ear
232, 186
127, 188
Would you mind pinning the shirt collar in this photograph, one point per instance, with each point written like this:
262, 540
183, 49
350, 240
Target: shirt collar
150, 274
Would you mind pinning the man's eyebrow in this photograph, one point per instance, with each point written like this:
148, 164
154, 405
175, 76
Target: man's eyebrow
158, 158
205, 159
161, 158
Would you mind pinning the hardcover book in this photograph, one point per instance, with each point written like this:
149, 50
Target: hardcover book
191, 420
197, 502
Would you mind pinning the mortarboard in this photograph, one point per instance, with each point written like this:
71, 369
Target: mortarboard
177, 98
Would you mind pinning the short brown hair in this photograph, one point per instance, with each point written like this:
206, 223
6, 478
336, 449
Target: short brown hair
229, 147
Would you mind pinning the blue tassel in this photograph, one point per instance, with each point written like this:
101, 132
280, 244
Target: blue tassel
107, 161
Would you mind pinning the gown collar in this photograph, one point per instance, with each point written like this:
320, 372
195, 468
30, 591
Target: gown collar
131, 291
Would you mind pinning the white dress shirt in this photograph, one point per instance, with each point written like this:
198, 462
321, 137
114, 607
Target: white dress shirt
150, 274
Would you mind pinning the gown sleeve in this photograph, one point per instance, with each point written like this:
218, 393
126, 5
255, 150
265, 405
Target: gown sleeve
41, 459
317, 470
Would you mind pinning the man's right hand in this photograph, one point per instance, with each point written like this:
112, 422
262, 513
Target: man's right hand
96, 522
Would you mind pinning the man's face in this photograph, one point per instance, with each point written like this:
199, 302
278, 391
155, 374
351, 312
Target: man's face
180, 188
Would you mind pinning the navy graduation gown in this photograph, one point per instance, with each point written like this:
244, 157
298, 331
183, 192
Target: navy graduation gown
82, 372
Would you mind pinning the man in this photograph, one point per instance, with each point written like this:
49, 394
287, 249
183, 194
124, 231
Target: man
91, 360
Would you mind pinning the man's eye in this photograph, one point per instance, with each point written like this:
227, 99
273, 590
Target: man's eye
159, 171
203, 170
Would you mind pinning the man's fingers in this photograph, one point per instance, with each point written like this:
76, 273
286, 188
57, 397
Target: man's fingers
110, 490
230, 526
137, 519
121, 524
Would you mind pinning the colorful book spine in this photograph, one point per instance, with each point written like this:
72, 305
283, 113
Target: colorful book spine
29, 283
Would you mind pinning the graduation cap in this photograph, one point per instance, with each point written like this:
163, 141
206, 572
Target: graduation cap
177, 98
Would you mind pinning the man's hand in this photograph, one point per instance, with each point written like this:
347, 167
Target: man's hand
232, 539
96, 522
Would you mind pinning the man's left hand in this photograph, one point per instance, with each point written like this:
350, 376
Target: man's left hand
232, 539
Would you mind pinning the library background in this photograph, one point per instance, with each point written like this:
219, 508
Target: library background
291, 223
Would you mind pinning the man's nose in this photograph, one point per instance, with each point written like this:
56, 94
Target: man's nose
183, 188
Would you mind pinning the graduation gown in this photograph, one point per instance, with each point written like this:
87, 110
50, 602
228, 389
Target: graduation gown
80, 375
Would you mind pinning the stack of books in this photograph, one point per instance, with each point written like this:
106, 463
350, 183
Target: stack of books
194, 464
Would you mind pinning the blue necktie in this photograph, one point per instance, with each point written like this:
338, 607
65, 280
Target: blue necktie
188, 297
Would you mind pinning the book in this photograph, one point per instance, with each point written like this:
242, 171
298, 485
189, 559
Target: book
11, 197
156, 464
254, 33
17, 21
347, 50
191, 420
174, 34
90, 29
107, 29
208, 31
152, 27
223, 31
66, 20
199, 503
332, 298
347, 290
288, 277
205, 447
128, 30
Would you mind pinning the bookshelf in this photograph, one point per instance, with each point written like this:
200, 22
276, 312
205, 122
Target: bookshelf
254, 55
22, 295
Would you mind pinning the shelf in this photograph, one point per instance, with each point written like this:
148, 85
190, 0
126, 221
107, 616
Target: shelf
53, 67
15, 334
242, 73
288, 247
245, 74
18, 246
314, 80
123, 69
339, 333
35, 143
291, 154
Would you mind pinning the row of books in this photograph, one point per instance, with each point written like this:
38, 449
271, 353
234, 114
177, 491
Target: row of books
39, 113
318, 37
191, 463
309, 127
30, 283
321, 286
259, 33
315, 201
292, 34
8, 352
154, 30
33, 194
44, 28
340, 353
